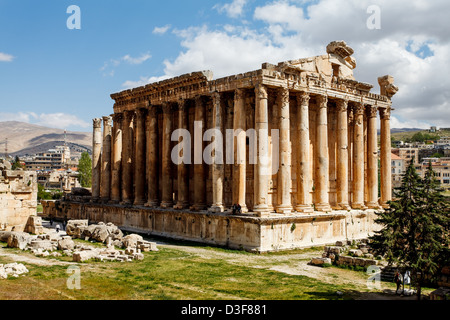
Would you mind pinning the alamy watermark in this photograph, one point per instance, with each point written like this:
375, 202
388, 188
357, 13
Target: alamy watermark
374, 20
74, 20
74, 280
222, 150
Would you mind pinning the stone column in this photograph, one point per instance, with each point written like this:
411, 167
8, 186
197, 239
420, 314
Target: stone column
105, 190
152, 157
199, 165
116, 158
139, 164
218, 174
183, 169
342, 155
372, 158
284, 172
240, 150
127, 156
262, 170
358, 157
322, 180
96, 158
167, 182
304, 174
386, 168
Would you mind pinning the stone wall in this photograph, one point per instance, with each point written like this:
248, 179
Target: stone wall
18, 198
251, 233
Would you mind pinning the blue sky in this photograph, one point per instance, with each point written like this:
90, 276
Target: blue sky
63, 78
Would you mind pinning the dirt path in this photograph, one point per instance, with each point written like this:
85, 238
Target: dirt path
28, 258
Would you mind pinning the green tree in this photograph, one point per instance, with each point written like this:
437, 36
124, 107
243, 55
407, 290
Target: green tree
17, 164
85, 170
415, 233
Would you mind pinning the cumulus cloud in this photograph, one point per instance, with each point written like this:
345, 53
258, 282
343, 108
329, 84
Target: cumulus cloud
413, 45
4, 57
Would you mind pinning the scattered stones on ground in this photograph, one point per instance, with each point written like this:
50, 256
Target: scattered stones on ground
12, 269
46, 244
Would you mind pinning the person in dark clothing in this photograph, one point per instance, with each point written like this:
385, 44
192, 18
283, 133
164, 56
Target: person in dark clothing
398, 281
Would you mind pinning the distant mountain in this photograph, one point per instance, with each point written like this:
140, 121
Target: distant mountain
27, 139
397, 130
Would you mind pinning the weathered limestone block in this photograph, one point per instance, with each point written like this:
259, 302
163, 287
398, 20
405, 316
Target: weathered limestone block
34, 225
131, 240
320, 261
66, 243
103, 231
355, 252
73, 227
146, 246
84, 255
18, 240
43, 245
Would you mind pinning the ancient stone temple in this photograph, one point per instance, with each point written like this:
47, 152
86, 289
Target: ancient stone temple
294, 144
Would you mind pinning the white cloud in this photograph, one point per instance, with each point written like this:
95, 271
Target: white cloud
234, 9
108, 68
161, 30
4, 57
52, 120
413, 45
141, 59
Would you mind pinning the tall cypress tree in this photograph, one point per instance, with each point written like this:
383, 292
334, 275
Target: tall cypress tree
415, 229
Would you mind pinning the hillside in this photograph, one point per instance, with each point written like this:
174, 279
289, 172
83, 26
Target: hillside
403, 135
24, 138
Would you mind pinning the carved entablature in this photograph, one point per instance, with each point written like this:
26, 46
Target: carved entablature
330, 75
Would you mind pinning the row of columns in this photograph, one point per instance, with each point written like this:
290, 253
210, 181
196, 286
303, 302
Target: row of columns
135, 144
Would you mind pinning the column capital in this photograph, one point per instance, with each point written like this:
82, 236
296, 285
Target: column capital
322, 100
140, 112
97, 122
107, 120
239, 94
117, 117
261, 91
385, 114
372, 111
303, 98
166, 107
342, 105
358, 109
153, 111
128, 115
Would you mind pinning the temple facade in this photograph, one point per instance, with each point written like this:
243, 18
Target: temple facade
300, 136
295, 145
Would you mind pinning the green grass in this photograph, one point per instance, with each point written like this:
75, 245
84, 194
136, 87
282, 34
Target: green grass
169, 274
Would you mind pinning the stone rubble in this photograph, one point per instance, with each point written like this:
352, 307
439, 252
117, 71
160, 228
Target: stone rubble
12, 269
343, 254
44, 245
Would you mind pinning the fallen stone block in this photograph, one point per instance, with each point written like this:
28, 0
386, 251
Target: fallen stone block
19, 240
355, 252
131, 240
66, 243
320, 261
42, 244
85, 255
73, 227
